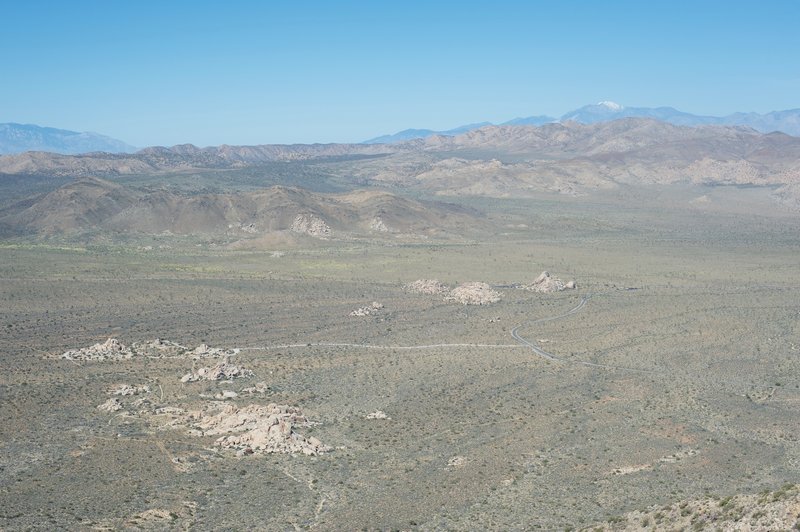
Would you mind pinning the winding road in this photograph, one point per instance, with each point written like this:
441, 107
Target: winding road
535, 348
550, 356
522, 343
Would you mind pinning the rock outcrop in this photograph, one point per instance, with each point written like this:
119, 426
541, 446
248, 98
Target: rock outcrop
311, 225
546, 284
769, 510
378, 225
261, 429
127, 389
366, 311
111, 349
112, 405
222, 371
473, 294
426, 286
205, 351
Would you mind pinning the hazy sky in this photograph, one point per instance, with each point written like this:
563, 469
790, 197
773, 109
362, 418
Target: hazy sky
169, 72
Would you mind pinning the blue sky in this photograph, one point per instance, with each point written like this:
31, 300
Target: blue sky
243, 72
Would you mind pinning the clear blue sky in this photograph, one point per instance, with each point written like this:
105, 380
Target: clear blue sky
250, 72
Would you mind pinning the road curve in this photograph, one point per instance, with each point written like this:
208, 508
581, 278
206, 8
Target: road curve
550, 356
535, 348
521, 343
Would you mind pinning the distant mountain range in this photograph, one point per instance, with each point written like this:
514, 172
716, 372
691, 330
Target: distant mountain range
567, 157
492, 161
18, 138
784, 121
277, 212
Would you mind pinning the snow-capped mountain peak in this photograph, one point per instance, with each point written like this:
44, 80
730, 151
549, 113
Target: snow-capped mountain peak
612, 106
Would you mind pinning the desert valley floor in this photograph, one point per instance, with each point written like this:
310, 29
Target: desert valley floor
678, 380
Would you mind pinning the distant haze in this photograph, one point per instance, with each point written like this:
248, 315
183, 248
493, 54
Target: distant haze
17, 138
784, 121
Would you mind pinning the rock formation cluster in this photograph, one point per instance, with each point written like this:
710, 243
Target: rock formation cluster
427, 286
366, 311
311, 225
545, 283
261, 429
114, 349
475, 293
222, 371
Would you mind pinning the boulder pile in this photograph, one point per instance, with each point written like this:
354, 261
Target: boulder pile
204, 351
426, 286
127, 389
222, 371
111, 349
112, 405
377, 225
247, 430
261, 429
259, 387
546, 284
473, 294
311, 225
366, 311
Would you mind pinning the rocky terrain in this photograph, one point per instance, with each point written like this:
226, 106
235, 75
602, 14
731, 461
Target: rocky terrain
546, 284
767, 511
247, 430
473, 293
222, 371
186, 156
494, 161
260, 429
98, 205
668, 396
113, 349
368, 310
310, 225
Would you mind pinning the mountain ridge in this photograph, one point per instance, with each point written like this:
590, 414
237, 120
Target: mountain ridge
19, 138
92, 204
493, 161
785, 121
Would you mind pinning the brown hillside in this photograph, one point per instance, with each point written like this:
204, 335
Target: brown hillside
96, 204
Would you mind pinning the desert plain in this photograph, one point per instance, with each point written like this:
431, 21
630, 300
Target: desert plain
677, 380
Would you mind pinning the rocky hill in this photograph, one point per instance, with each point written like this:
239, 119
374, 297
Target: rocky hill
184, 156
573, 158
493, 161
92, 204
